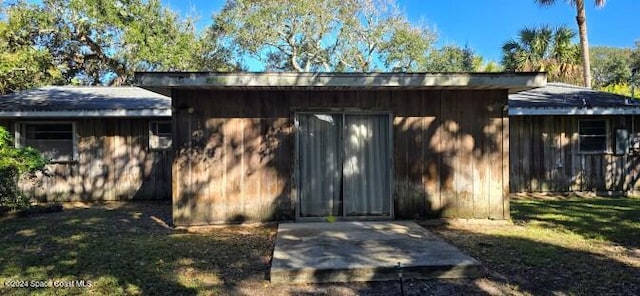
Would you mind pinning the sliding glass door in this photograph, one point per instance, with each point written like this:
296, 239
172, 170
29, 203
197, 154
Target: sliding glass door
366, 165
343, 165
319, 165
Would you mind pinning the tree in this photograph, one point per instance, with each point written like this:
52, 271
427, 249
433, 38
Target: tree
610, 65
635, 57
16, 163
25, 67
326, 35
581, 19
407, 50
492, 66
612, 69
623, 88
451, 58
544, 49
529, 51
635, 67
106, 40
21, 65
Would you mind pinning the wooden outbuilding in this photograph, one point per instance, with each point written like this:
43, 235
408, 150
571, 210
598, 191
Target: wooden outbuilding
103, 143
304, 146
566, 138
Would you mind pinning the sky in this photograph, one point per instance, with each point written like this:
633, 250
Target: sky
484, 25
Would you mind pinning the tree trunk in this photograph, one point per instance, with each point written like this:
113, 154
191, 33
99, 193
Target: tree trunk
581, 18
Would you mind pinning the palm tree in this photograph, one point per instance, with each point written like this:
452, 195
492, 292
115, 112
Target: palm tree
544, 49
529, 51
565, 55
581, 19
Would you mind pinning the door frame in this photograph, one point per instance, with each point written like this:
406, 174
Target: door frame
295, 189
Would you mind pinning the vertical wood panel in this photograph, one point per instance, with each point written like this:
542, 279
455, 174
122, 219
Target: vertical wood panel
404, 200
577, 160
467, 167
558, 164
252, 171
514, 166
561, 150
431, 148
213, 114
536, 155
447, 134
498, 157
547, 156
481, 133
506, 207
568, 153
235, 152
438, 150
527, 154
112, 164
415, 155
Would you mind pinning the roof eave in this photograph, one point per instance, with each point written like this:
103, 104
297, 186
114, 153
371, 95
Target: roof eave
87, 113
573, 111
163, 82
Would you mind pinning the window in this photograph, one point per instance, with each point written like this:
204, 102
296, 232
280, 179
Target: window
593, 135
160, 135
54, 140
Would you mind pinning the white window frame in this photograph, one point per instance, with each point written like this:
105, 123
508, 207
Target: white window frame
154, 139
20, 137
607, 147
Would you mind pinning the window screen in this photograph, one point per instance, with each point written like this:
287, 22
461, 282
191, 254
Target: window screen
160, 135
54, 140
593, 135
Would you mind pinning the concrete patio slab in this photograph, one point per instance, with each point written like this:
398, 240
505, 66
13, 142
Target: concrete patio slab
364, 251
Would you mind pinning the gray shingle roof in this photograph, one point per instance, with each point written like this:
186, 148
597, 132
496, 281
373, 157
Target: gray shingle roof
117, 101
560, 98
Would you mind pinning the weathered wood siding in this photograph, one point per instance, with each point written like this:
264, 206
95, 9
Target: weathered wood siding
545, 156
235, 151
114, 163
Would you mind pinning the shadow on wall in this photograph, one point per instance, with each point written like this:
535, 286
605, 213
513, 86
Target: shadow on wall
232, 170
235, 154
114, 163
545, 156
448, 156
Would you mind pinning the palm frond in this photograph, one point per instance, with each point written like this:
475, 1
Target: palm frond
597, 3
545, 2
510, 45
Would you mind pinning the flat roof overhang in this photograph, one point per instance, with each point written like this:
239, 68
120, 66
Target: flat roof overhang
61, 114
163, 82
573, 111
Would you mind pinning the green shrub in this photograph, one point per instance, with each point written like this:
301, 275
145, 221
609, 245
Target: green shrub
620, 89
16, 163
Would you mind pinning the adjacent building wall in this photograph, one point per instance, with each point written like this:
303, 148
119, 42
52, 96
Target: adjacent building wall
114, 163
545, 156
234, 151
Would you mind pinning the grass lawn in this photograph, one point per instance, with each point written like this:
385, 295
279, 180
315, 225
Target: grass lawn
564, 246
126, 249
